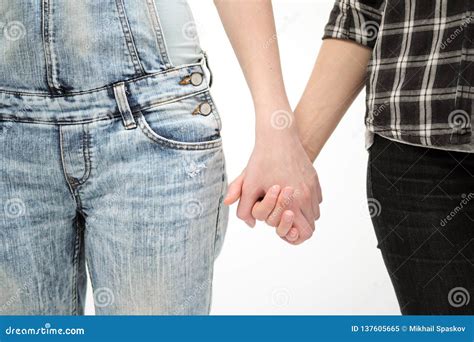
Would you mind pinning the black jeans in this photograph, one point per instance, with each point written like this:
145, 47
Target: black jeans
422, 206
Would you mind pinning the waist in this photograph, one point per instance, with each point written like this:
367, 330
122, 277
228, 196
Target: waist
102, 103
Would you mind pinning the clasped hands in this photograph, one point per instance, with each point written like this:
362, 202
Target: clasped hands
279, 185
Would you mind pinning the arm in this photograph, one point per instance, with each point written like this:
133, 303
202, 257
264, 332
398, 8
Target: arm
337, 78
278, 156
250, 27
340, 70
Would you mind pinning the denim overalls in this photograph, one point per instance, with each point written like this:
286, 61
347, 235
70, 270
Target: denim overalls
110, 156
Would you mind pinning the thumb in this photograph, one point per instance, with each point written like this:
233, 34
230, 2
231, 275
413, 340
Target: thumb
234, 190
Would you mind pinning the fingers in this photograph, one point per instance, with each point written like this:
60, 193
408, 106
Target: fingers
308, 215
262, 210
244, 209
286, 223
305, 229
284, 201
292, 235
316, 201
306, 199
235, 190
319, 191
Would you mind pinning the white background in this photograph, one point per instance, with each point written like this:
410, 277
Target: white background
340, 270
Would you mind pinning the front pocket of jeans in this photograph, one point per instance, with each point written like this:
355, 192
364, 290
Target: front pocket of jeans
189, 123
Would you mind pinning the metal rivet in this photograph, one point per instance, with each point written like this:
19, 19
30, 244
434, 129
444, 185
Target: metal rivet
196, 79
185, 81
205, 109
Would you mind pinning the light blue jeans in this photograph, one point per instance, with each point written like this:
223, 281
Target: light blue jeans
110, 157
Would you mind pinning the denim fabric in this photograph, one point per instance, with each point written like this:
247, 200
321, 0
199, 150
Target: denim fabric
110, 156
422, 205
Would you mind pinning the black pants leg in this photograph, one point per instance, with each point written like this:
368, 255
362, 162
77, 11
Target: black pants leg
422, 206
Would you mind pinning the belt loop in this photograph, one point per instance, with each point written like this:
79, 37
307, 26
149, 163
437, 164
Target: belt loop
124, 107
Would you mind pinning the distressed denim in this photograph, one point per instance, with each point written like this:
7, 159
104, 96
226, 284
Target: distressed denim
110, 157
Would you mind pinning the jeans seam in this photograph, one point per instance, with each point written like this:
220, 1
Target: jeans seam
46, 33
72, 182
129, 41
76, 270
155, 20
147, 131
68, 179
215, 112
219, 209
105, 87
110, 116
86, 147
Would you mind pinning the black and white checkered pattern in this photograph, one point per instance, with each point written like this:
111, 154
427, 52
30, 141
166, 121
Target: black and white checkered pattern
420, 78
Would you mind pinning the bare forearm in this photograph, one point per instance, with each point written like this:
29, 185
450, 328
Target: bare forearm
337, 78
251, 30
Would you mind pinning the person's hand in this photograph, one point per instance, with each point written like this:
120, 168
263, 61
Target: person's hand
274, 203
278, 158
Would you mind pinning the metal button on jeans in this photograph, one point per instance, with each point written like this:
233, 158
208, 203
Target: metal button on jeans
195, 79
203, 109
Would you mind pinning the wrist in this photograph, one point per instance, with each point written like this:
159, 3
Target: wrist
311, 151
276, 125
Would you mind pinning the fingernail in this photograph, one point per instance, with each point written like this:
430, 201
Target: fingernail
251, 224
274, 190
288, 217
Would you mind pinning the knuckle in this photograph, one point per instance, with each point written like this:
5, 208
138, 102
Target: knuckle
282, 202
306, 234
271, 222
305, 194
242, 216
280, 233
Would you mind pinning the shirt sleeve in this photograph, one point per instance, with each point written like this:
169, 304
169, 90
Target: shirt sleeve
356, 20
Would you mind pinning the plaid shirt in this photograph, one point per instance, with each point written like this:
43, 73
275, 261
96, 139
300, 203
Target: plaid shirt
420, 77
